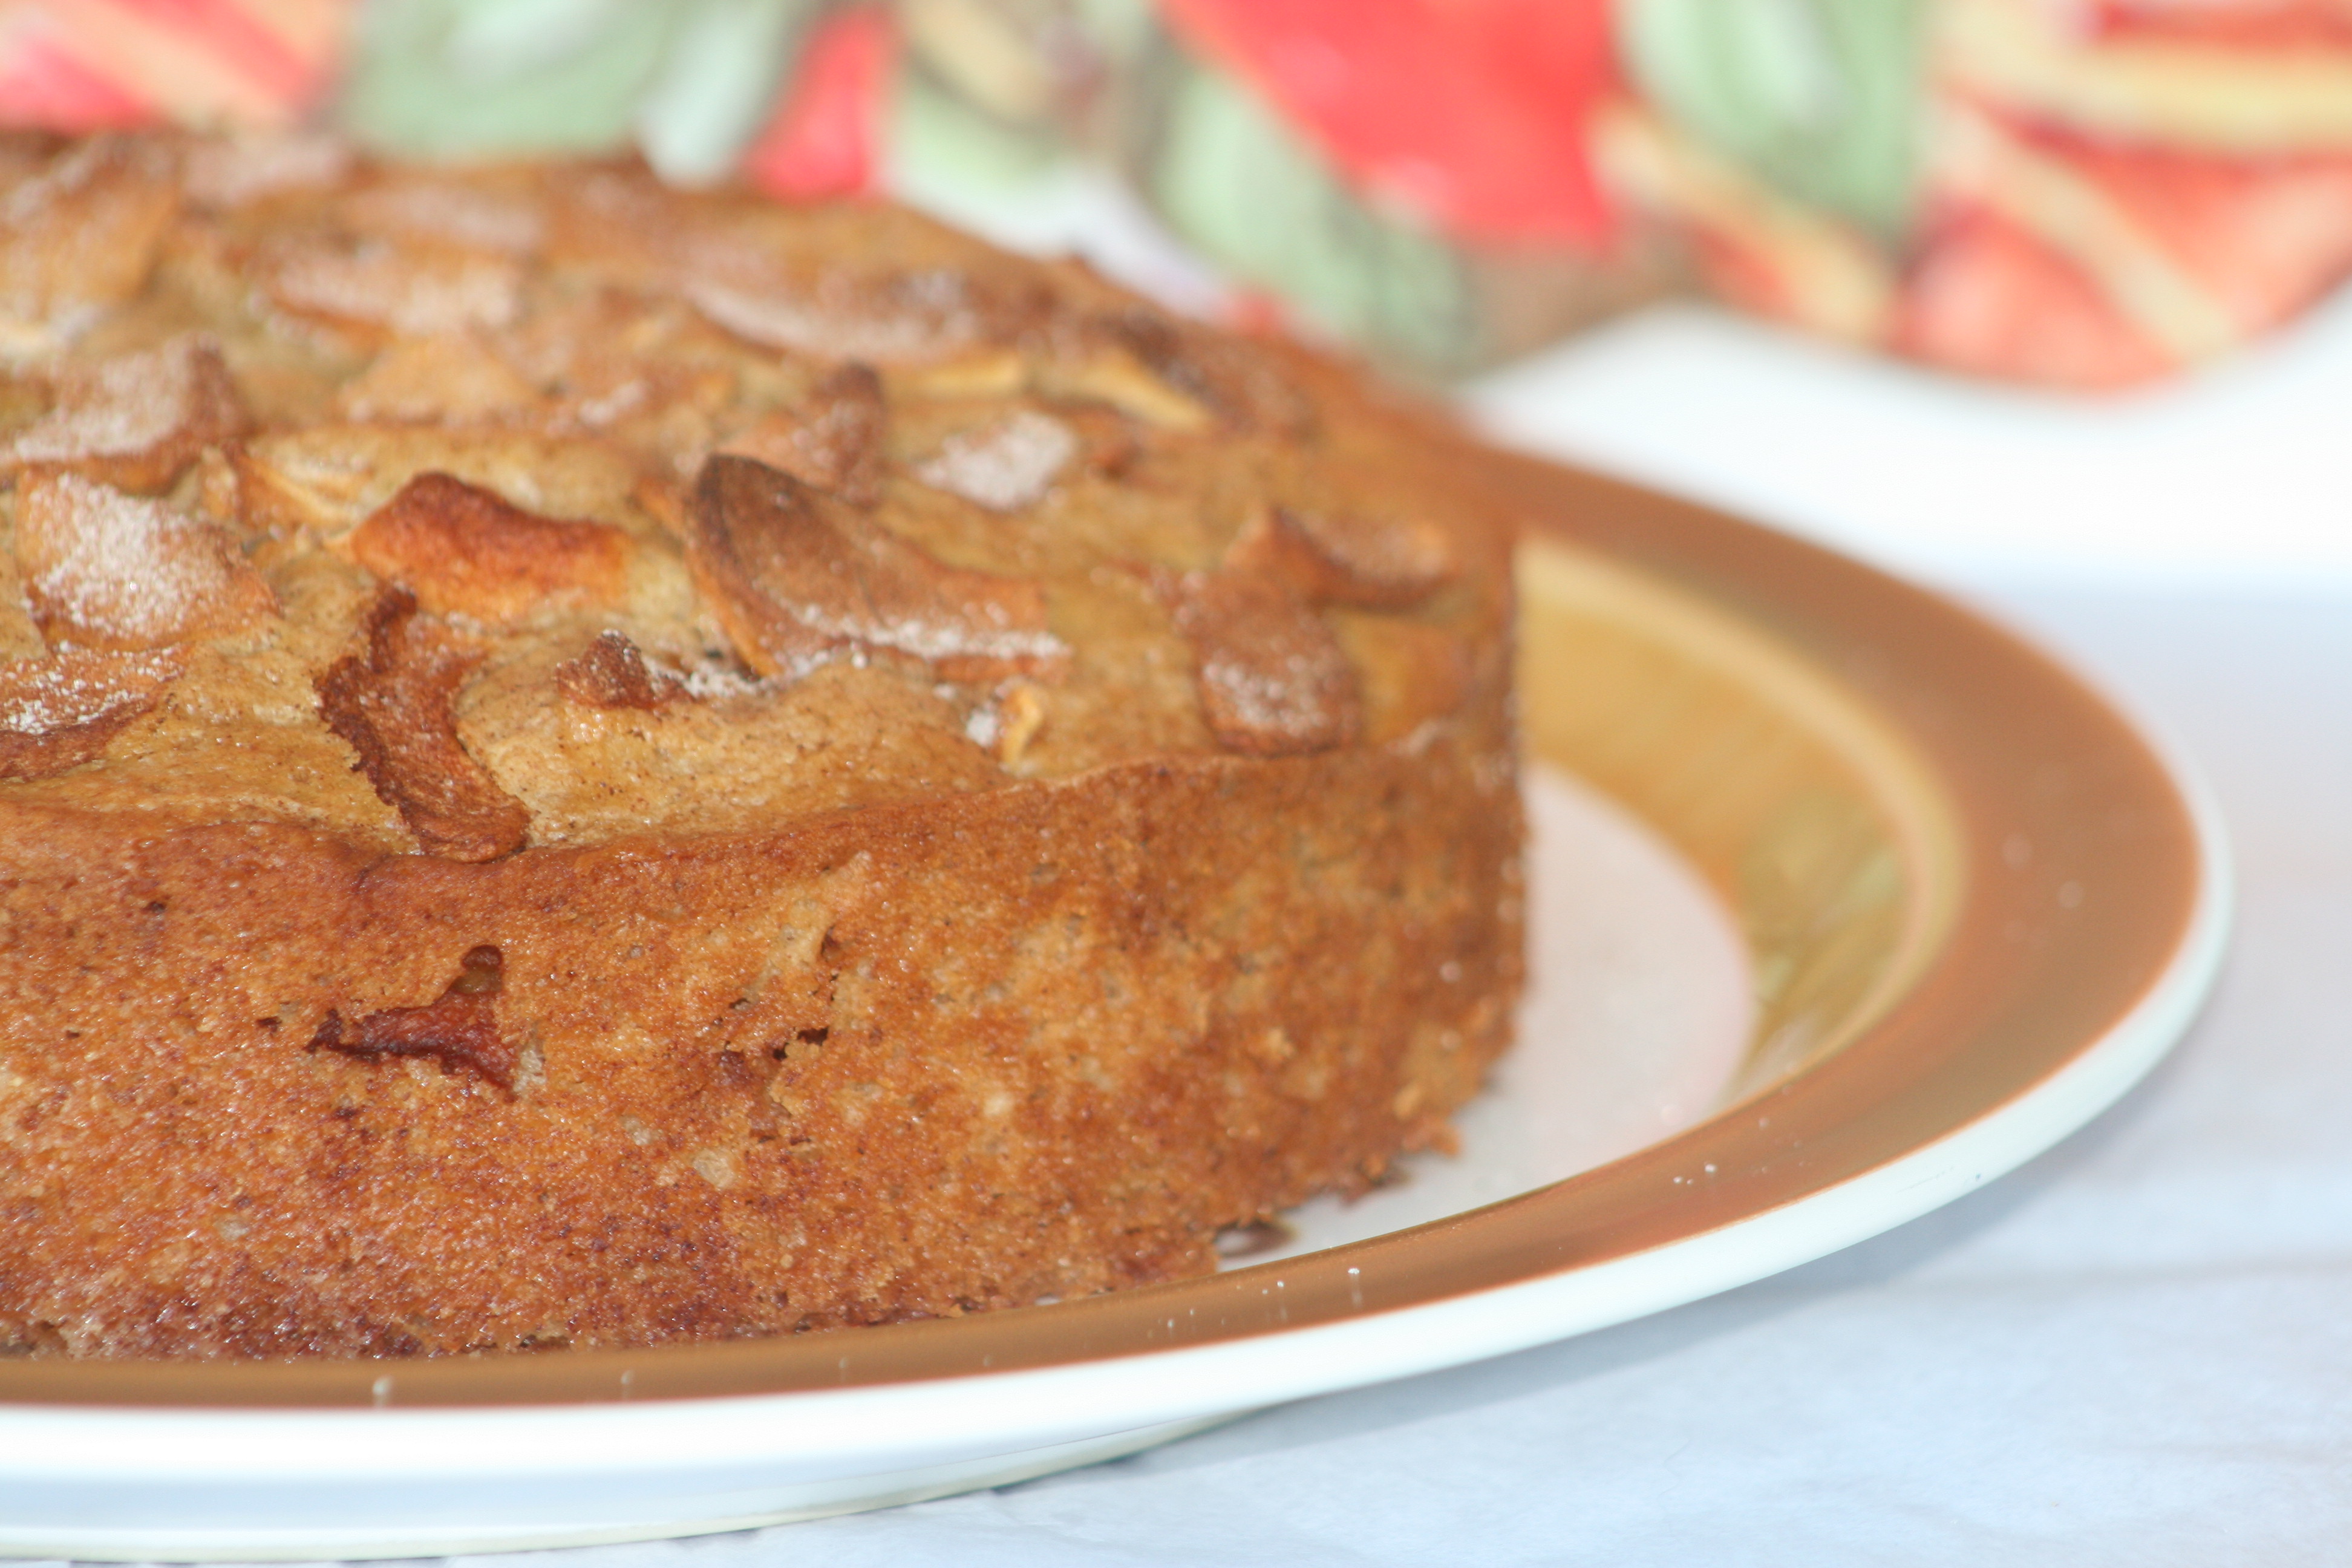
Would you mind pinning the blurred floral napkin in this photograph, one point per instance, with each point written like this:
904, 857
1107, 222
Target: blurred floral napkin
2082, 193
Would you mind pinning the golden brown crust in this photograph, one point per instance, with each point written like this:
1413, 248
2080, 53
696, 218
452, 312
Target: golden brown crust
618, 765
757, 1112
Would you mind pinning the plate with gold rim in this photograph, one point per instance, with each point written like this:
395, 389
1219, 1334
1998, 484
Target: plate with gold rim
1896, 902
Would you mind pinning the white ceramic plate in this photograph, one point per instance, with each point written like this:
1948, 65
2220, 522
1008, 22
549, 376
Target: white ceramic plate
1951, 962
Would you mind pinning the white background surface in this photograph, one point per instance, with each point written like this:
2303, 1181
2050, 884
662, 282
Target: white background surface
2136, 1350
2242, 476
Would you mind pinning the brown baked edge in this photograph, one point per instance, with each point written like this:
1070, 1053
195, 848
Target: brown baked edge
902, 1061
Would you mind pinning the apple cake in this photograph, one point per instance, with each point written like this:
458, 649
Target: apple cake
583, 763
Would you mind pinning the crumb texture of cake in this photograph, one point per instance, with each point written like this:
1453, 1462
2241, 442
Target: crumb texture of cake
585, 764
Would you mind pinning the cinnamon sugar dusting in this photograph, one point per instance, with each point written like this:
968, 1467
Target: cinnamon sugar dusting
1272, 679
135, 421
379, 285
59, 712
1005, 465
103, 569
40, 696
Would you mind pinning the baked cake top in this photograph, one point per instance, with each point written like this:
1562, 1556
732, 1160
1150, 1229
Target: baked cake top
460, 510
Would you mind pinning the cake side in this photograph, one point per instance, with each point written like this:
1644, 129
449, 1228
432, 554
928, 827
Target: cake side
909, 1060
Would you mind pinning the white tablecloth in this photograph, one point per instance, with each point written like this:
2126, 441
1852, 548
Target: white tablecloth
2136, 1350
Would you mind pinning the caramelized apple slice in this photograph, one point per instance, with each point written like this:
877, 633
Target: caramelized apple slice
1345, 558
793, 573
107, 569
136, 421
1272, 679
378, 288
61, 712
391, 699
835, 444
1108, 374
426, 207
895, 318
611, 672
80, 236
1235, 381
450, 378
326, 478
227, 172
463, 550
459, 1028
